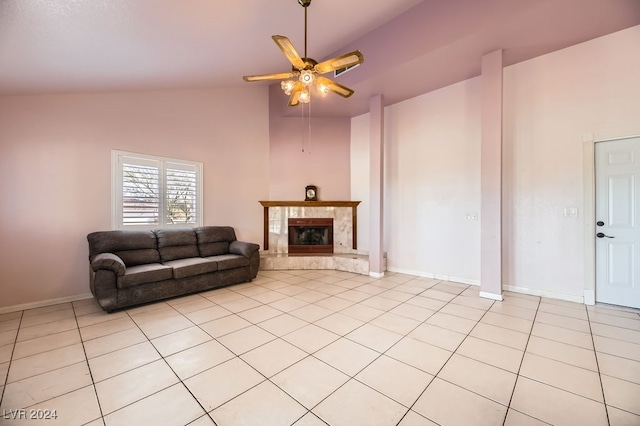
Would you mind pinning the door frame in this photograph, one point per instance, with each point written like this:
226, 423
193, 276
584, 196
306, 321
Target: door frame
589, 209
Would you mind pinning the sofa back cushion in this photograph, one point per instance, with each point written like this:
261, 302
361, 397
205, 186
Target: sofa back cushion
133, 247
177, 243
214, 240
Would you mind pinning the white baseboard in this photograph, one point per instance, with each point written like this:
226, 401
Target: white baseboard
410, 272
435, 276
492, 296
544, 293
464, 280
376, 274
590, 297
48, 302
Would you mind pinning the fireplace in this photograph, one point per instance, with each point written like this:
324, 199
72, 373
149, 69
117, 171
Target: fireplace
310, 235
277, 214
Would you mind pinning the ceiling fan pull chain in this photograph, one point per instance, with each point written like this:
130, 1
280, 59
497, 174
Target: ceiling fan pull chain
302, 127
309, 118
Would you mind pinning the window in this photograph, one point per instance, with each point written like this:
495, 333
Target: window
155, 192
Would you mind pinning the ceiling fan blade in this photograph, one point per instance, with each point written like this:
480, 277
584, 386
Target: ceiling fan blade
263, 77
343, 61
334, 87
289, 51
294, 99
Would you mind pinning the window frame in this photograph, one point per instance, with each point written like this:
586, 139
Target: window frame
117, 160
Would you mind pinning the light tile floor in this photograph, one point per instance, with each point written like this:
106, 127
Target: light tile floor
324, 347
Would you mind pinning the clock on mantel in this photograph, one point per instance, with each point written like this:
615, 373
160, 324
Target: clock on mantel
311, 193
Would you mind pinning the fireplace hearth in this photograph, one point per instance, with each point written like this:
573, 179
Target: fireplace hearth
310, 235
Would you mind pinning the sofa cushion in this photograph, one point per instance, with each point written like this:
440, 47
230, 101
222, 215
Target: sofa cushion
178, 243
138, 257
229, 261
191, 266
142, 274
133, 247
214, 240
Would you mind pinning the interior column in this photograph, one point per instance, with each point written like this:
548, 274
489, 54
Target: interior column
376, 182
491, 177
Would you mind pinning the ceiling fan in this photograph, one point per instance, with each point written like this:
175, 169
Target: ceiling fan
305, 72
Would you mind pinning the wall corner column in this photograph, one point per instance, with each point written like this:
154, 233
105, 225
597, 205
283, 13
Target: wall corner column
376, 185
491, 177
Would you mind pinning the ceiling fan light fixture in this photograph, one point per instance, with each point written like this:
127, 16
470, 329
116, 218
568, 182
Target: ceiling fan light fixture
322, 88
305, 96
307, 77
287, 86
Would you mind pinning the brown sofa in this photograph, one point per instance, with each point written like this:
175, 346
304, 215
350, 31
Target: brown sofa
133, 267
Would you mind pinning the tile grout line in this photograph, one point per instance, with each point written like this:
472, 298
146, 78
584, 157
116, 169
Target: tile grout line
86, 360
180, 381
236, 356
13, 349
350, 377
148, 340
591, 335
353, 377
340, 336
562, 362
445, 363
595, 355
524, 353
465, 356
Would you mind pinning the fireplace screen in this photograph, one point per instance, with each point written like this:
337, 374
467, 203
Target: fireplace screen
310, 235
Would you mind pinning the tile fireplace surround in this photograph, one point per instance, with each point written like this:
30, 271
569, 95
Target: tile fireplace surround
345, 256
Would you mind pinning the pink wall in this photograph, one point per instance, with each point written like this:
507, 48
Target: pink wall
551, 103
433, 167
432, 183
325, 161
55, 173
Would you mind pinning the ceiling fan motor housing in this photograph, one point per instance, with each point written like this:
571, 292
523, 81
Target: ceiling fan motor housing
309, 64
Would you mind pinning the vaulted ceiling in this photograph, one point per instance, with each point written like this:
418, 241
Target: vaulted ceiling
410, 46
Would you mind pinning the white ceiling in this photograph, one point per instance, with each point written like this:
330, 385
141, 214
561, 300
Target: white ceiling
63, 46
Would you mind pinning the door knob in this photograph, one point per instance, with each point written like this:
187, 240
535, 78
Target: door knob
601, 235
600, 223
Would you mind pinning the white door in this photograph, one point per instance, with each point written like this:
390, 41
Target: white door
617, 227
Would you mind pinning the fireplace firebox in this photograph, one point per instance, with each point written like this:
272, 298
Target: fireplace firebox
310, 235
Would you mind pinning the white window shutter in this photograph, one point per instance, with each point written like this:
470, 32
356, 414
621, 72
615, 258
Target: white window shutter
155, 192
181, 194
141, 187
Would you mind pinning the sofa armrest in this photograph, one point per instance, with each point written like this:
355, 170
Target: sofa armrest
243, 249
110, 262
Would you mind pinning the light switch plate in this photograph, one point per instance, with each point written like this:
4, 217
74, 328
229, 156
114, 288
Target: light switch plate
471, 216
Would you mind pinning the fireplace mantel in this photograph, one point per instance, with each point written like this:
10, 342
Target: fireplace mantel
352, 204
309, 203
